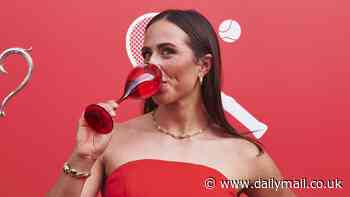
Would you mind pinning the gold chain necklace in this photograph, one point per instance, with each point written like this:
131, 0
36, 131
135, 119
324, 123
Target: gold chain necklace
161, 129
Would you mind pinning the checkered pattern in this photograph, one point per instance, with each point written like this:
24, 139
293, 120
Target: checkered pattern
136, 39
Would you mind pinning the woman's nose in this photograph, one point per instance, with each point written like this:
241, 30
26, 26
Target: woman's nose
153, 59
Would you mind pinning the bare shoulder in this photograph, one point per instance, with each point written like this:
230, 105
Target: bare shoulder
261, 167
260, 163
265, 167
242, 149
127, 132
138, 123
127, 141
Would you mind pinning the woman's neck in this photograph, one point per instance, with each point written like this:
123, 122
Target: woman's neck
182, 118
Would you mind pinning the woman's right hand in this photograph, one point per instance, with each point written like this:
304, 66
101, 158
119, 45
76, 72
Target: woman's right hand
89, 143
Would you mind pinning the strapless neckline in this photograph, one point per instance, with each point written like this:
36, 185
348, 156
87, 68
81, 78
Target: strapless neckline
157, 177
133, 162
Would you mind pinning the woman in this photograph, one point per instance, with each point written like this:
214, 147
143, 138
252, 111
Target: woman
182, 141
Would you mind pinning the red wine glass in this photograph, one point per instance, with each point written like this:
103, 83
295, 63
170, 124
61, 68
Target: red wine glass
142, 82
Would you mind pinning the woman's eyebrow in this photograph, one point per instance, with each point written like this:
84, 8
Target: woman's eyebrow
161, 45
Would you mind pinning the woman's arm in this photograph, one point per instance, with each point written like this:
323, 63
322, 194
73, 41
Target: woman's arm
73, 187
88, 143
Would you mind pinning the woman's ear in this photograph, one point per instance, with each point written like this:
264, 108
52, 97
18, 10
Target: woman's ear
205, 63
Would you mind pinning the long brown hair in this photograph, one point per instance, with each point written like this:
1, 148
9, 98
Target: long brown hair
203, 40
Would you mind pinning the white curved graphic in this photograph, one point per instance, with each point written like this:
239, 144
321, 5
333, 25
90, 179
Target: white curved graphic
134, 43
257, 128
135, 37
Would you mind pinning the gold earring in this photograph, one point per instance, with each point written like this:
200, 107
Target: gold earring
200, 80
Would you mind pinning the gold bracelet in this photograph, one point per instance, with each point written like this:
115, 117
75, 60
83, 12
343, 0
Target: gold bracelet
73, 172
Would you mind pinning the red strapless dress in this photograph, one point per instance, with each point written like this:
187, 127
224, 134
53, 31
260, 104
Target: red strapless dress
155, 178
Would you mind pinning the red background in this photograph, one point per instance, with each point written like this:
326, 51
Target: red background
288, 69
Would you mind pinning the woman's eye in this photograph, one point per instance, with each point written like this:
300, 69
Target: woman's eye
167, 51
145, 54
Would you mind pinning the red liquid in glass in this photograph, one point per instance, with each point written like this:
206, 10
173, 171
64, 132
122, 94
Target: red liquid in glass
142, 83
147, 88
